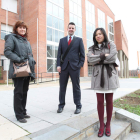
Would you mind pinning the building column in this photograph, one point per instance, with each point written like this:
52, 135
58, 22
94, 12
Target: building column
84, 69
127, 68
121, 70
124, 66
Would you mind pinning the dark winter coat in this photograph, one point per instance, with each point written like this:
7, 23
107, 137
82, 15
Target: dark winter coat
18, 49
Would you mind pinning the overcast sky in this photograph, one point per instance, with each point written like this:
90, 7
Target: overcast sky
128, 11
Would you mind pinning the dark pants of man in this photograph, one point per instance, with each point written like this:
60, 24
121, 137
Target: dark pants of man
75, 78
21, 85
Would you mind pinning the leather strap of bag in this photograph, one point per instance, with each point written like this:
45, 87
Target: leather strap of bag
69, 47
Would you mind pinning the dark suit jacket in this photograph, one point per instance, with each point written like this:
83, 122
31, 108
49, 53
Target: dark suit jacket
75, 56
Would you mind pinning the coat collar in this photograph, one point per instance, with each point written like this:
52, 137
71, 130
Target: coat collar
102, 46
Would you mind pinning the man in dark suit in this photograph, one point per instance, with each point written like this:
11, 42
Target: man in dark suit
71, 65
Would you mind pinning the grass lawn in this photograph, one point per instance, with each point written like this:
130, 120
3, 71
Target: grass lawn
131, 102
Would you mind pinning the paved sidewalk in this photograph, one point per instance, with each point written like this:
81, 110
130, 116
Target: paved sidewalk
43, 102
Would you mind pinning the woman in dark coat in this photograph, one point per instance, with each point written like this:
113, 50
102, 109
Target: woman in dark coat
102, 55
18, 50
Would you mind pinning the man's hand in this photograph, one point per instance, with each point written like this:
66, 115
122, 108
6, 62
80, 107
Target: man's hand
106, 54
59, 69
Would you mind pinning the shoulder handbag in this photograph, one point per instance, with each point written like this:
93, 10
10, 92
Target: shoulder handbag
69, 47
21, 69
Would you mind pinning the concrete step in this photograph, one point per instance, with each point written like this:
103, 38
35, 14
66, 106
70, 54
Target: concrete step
119, 129
133, 136
78, 128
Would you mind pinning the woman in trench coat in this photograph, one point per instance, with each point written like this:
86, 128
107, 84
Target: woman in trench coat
102, 55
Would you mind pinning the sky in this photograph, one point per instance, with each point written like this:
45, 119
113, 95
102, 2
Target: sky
128, 11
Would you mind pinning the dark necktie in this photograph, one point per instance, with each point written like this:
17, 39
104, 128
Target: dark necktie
69, 40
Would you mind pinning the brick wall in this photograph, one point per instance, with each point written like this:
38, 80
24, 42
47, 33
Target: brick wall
121, 39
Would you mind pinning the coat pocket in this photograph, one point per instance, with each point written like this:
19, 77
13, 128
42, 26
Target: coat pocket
114, 72
96, 73
95, 78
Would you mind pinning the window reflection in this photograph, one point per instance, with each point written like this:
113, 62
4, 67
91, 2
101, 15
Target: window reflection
49, 34
56, 36
61, 13
55, 22
55, 31
61, 24
49, 8
49, 20
55, 10
50, 52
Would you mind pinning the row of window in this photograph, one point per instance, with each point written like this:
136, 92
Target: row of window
55, 22
58, 2
55, 10
77, 20
75, 8
110, 29
54, 35
76, 16
90, 23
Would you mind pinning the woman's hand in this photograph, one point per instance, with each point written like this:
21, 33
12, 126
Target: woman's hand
106, 54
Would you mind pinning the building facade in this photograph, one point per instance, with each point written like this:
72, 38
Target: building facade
53, 17
122, 47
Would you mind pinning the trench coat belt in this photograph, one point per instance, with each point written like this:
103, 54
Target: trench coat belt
109, 72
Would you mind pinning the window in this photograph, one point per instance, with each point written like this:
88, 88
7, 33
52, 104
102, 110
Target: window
10, 5
55, 31
76, 15
3, 30
51, 58
58, 2
90, 23
101, 19
55, 22
110, 29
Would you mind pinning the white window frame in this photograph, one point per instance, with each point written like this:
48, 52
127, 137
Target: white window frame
109, 19
52, 43
62, 6
92, 12
7, 5
9, 29
101, 13
76, 14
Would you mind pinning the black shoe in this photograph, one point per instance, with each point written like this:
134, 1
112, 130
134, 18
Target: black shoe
27, 116
59, 110
77, 111
22, 120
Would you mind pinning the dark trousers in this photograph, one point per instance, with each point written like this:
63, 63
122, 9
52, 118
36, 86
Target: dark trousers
21, 85
75, 77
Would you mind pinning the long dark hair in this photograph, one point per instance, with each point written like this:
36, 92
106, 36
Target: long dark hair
105, 38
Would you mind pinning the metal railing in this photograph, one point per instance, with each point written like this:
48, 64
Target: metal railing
45, 77
1, 69
133, 73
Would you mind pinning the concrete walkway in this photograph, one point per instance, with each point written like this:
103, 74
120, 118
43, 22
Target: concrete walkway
42, 105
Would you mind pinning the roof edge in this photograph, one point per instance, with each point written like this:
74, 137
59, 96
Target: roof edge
109, 7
